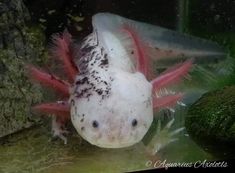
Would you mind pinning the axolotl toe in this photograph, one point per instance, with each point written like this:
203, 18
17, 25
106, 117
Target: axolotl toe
111, 92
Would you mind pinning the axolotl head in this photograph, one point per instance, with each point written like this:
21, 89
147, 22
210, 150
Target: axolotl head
118, 118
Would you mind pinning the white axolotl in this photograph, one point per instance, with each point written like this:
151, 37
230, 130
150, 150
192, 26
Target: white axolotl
110, 94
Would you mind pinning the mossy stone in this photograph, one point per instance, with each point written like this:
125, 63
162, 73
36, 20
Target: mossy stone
19, 44
211, 120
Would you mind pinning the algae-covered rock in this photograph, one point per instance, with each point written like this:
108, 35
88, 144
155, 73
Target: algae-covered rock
19, 44
211, 120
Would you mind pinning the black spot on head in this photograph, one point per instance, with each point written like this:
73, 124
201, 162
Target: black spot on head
102, 51
134, 122
72, 102
104, 62
82, 120
99, 91
95, 124
82, 81
82, 128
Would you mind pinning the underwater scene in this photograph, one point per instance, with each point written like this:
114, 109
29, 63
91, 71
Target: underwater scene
108, 86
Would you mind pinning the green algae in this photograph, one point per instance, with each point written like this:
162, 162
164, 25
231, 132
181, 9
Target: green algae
16, 91
19, 45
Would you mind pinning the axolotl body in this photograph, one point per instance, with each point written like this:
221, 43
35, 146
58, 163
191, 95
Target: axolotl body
110, 94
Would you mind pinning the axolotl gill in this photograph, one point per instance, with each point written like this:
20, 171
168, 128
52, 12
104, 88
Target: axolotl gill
110, 93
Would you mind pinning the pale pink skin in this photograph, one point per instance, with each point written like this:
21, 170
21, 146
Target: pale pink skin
115, 110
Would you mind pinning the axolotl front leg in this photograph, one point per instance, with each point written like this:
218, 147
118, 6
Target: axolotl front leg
162, 137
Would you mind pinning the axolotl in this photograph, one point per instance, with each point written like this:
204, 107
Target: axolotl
110, 93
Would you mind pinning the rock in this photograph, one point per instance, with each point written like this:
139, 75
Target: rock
19, 44
211, 121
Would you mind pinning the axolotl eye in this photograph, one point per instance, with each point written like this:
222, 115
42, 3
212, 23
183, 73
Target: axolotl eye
134, 122
95, 124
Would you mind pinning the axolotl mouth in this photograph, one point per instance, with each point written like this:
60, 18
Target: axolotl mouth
110, 93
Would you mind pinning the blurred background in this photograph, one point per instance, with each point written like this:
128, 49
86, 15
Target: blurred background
26, 27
